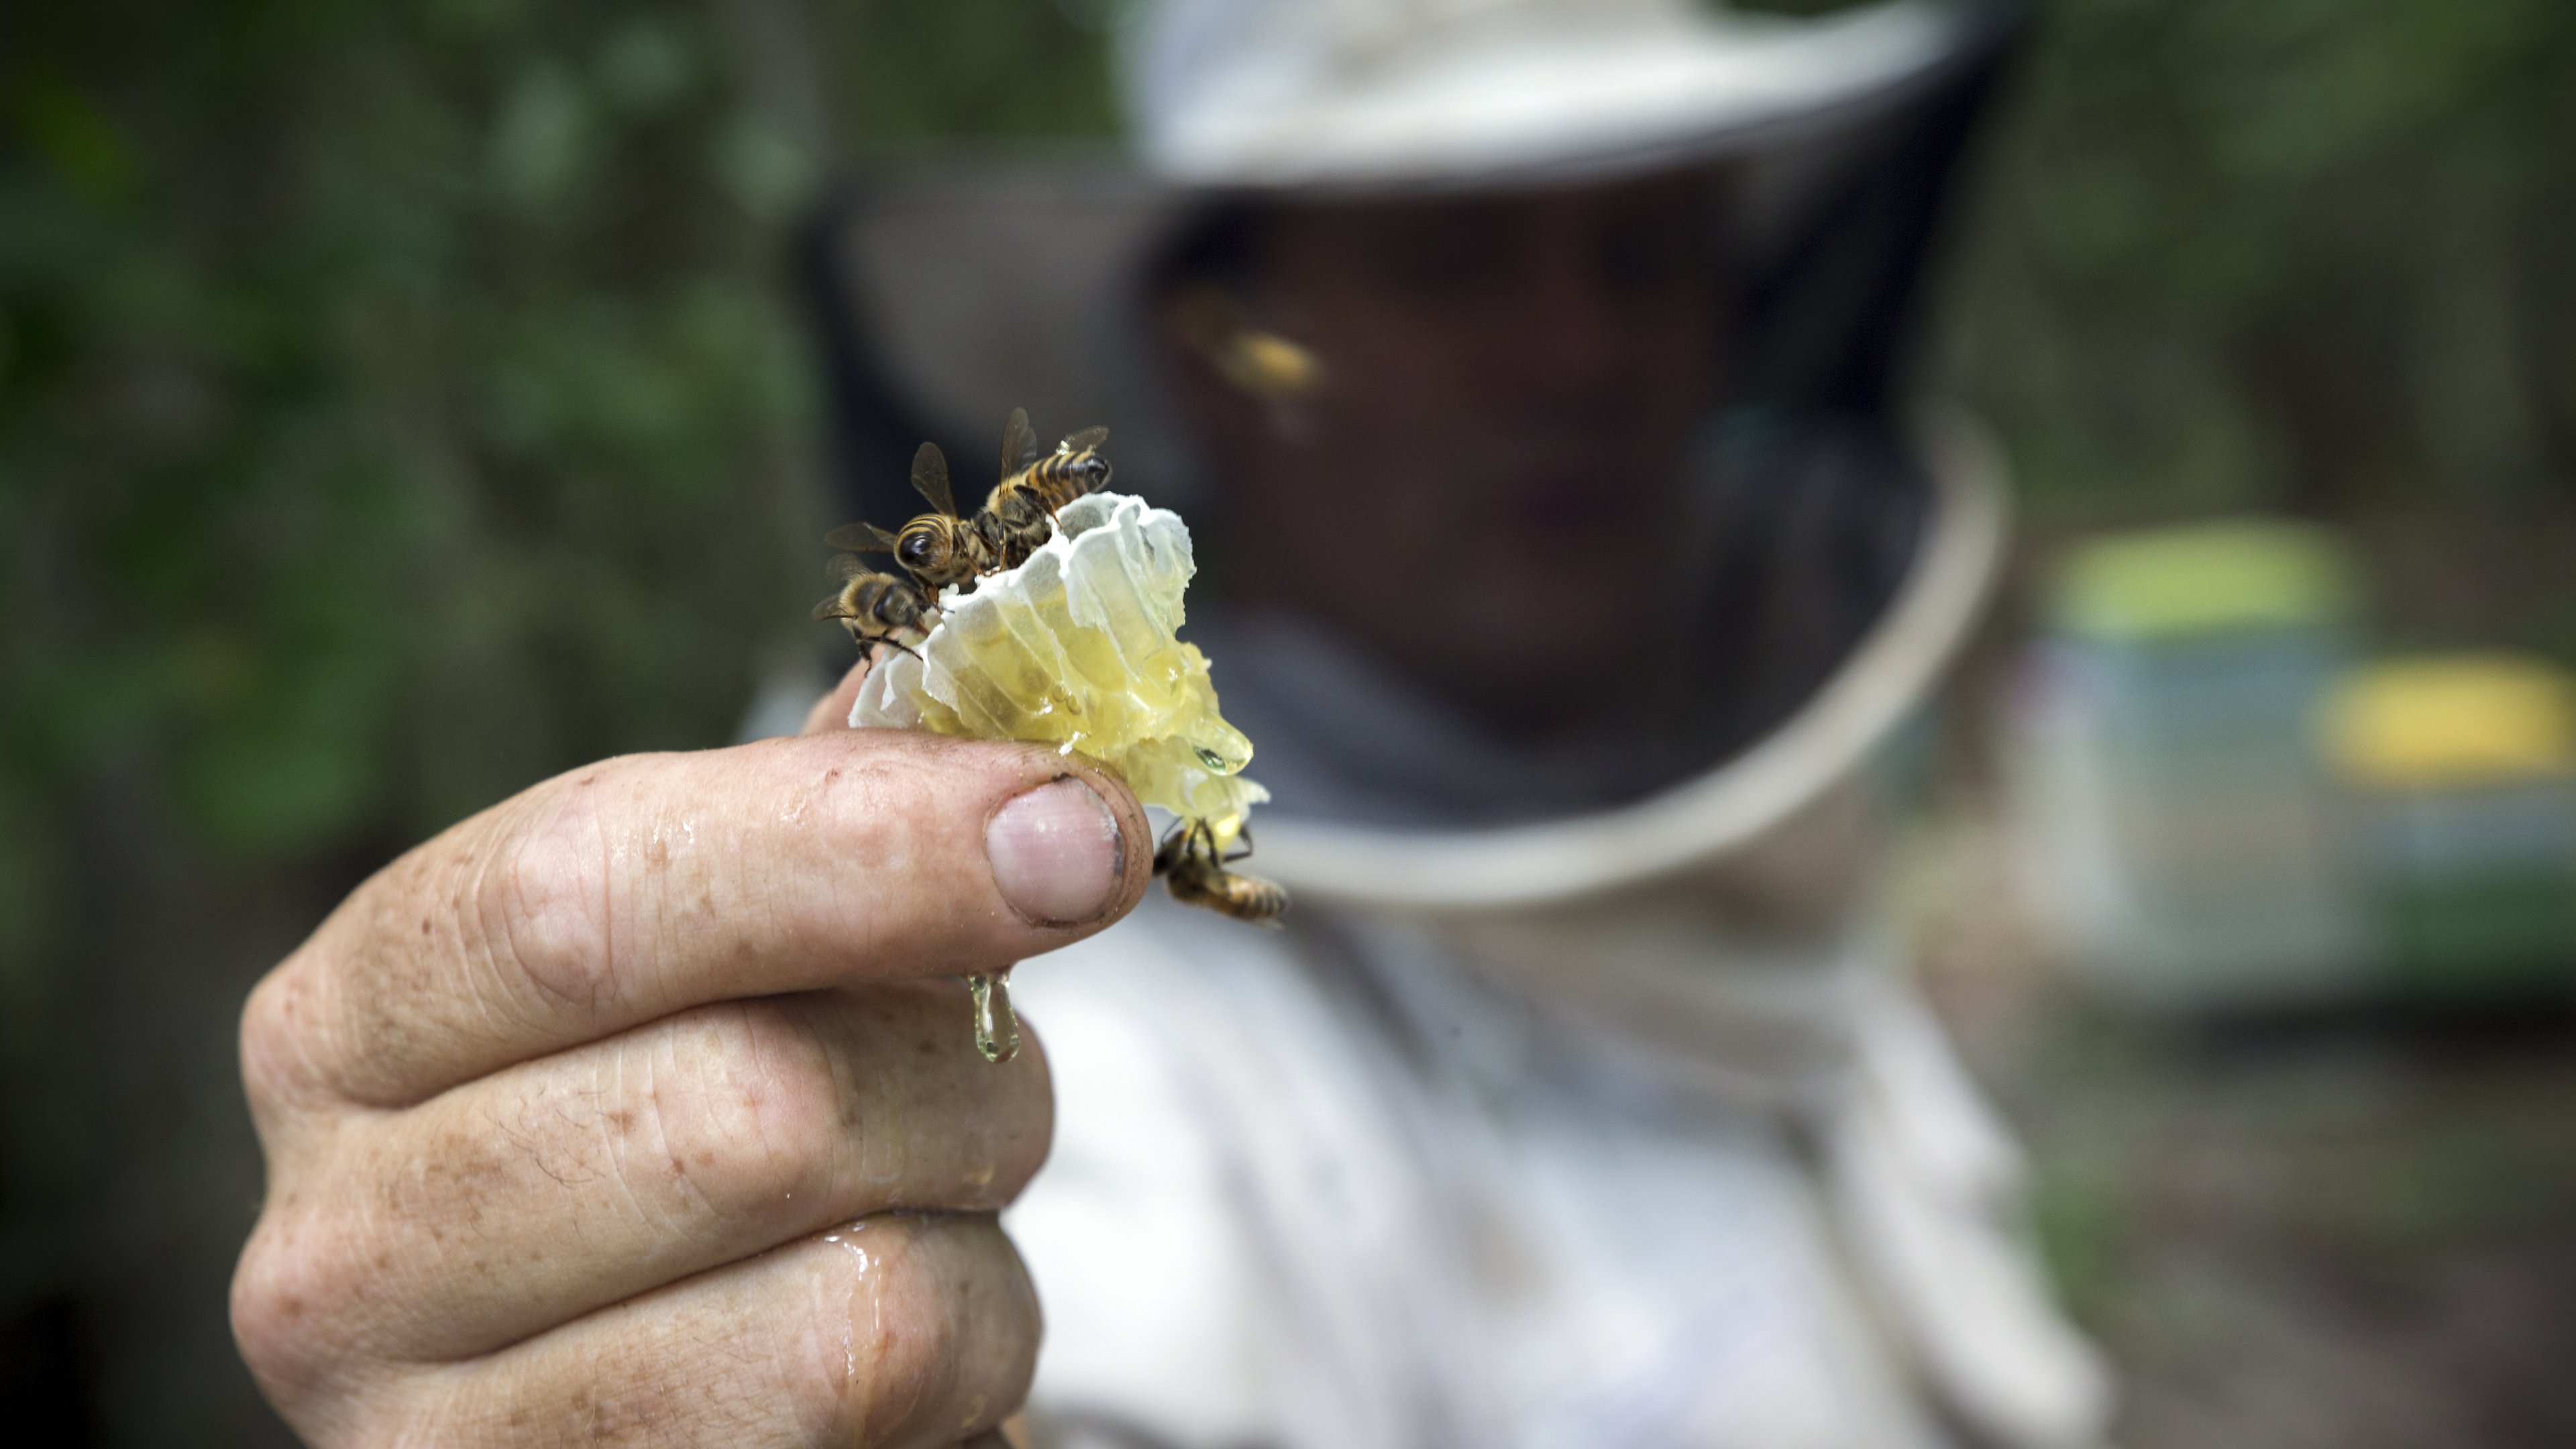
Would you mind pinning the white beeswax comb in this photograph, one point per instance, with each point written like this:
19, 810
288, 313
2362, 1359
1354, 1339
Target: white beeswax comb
1078, 648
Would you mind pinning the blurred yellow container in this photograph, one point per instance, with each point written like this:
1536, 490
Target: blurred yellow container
2463, 772
2472, 719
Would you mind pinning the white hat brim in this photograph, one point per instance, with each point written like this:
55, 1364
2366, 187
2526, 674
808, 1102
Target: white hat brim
1537, 102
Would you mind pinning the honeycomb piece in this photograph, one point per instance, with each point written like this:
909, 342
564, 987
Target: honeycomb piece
1077, 648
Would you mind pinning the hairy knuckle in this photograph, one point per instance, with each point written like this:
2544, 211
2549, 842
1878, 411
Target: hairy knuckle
758, 1115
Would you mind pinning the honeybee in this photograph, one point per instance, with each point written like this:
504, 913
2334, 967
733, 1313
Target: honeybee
876, 608
938, 548
1253, 360
1033, 487
1194, 871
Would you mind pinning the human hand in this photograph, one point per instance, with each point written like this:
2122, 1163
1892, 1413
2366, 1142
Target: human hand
642, 1108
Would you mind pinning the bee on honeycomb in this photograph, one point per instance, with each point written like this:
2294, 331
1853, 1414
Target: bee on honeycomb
1078, 647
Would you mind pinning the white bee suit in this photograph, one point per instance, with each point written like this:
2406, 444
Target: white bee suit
1672, 1157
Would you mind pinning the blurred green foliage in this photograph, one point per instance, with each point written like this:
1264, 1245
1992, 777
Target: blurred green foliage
398, 401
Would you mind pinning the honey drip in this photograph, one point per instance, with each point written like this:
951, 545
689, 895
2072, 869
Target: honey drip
997, 1026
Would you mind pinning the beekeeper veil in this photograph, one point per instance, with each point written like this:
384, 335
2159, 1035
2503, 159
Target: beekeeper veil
1857, 530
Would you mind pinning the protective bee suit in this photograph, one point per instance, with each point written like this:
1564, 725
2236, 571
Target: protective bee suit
1583, 1100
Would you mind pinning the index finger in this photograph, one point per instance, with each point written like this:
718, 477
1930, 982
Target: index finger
637, 887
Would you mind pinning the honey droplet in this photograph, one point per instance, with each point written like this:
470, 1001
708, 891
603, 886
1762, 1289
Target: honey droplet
997, 1026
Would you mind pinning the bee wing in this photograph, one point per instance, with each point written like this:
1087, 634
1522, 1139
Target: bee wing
930, 475
1084, 441
1019, 443
830, 608
859, 538
845, 567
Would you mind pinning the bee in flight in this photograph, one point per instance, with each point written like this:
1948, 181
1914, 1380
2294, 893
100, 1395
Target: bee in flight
1254, 361
1023, 505
1194, 871
876, 608
938, 548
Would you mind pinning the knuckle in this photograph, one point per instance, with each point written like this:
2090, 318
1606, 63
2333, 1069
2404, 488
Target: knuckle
880, 808
758, 1114
287, 1301
903, 1360
540, 912
1021, 1136
941, 1334
278, 1023
999, 1120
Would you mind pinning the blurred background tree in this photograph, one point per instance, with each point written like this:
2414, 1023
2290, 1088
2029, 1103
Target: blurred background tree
2308, 256
402, 401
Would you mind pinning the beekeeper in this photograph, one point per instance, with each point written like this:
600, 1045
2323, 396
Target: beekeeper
1530, 372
